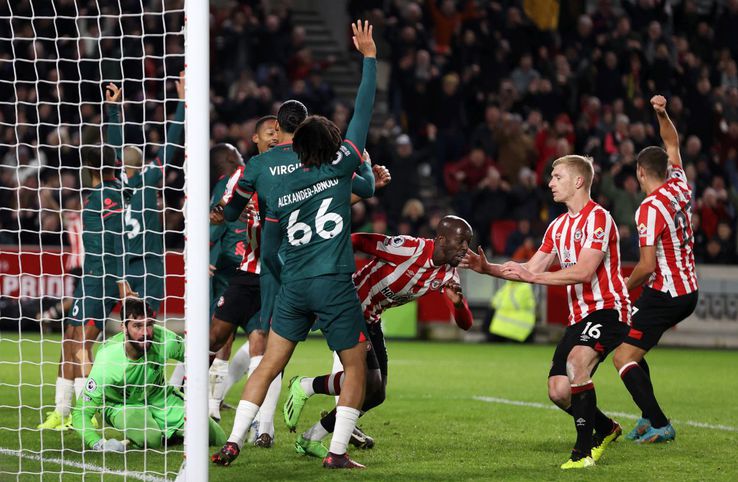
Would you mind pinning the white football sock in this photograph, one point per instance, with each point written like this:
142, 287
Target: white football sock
316, 432
346, 418
79, 386
237, 368
217, 375
252, 366
63, 396
266, 413
337, 367
307, 385
177, 378
245, 414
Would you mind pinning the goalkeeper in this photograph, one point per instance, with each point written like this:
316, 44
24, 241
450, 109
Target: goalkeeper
127, 385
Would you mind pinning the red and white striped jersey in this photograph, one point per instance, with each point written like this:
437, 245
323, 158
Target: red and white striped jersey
664, 220
592, 228
250, 253
401, 270
73, 226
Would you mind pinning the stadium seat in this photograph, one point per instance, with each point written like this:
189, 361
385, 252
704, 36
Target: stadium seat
499, 231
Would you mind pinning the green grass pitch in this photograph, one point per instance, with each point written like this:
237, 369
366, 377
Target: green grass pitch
453, 412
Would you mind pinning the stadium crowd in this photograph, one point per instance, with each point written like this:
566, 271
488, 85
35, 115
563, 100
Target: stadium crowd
481, 97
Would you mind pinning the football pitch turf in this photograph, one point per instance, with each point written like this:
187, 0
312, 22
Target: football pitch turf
453, 412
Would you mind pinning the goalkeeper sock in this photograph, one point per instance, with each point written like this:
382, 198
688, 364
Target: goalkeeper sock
317, 432
245, 414
79, 386
218, 373
63, 396
639, 385
177, 378
346, 418
325, 384
583, 407
269, 406
238, 366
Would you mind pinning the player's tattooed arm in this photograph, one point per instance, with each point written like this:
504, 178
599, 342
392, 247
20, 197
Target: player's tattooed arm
668, 132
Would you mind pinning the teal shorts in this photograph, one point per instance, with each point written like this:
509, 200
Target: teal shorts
269, 287
255, 324
94, 299
329, 299
145, 274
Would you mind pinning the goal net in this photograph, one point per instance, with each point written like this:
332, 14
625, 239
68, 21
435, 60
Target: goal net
91, 192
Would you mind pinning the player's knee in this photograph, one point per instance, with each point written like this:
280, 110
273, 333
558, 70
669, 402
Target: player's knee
559, 395
619, 359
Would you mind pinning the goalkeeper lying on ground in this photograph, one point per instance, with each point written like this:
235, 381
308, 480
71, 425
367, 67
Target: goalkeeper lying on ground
127, 383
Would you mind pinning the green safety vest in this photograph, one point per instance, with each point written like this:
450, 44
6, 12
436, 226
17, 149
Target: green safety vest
515, 311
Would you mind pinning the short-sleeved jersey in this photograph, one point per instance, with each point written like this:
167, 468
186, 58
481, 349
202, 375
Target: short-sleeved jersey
233, 237
664, 220
103, 231
116, 380
401, 270
144, 232
248, 234
313, 209
592, 228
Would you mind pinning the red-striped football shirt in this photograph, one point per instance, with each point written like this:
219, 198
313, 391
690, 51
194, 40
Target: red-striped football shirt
664, 220
250, 262
593, 228
400, 271
73, 226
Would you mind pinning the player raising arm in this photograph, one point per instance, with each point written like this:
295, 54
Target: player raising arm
585, 240
309, 212
666, 266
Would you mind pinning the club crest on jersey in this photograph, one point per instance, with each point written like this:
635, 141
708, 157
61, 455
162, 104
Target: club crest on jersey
599, 233
221, 300
91, 385
394, 241
578, 235
435, 284
558, 236
642, 229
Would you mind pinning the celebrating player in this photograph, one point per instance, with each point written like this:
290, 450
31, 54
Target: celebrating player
666, 265
310, 207
102, 283
585, 239
402, 269
127, 385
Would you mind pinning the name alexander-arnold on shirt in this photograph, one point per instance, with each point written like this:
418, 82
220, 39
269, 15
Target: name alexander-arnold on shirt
306, 193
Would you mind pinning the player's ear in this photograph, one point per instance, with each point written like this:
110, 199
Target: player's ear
255, 138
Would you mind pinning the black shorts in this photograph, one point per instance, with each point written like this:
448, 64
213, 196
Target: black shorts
376, 357
654, 313
240, 301
602, 331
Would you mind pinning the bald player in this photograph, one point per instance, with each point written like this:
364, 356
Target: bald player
401, 269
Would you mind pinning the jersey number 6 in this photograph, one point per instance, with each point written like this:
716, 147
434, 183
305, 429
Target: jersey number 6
321, 220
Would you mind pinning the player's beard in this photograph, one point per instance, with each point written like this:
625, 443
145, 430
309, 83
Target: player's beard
140, 346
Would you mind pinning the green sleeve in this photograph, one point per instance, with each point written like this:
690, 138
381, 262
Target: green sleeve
174, 347
115, 130
216, 232
363, 183
271, 239
238, 202
174, 135
359, 125
113, 246
89, 403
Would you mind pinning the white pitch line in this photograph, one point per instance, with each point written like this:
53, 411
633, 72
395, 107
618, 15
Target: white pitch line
79, 465
520, 403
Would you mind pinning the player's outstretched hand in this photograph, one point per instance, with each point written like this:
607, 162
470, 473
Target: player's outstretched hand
453, 292
125, 290
363, 40
110, 445
382, 176
517, 272
112, 93
180, 85
659, 103
475, 262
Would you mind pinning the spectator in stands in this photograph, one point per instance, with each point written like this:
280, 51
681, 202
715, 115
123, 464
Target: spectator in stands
516, 149
623, 201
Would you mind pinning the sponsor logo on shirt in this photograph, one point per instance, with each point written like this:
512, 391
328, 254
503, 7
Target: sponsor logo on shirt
599, 233
642, 229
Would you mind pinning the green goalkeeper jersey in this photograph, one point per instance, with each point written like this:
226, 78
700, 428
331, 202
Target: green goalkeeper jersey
116, 380
144, 232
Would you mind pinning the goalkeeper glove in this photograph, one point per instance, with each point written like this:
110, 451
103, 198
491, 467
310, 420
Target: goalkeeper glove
111, 445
